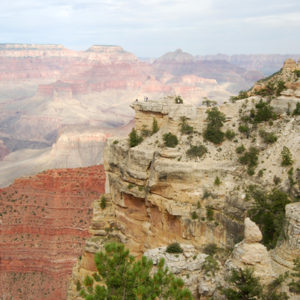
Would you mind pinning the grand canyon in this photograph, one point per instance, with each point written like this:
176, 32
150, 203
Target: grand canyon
65, 116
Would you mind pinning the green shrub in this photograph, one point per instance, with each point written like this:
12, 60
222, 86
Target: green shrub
209, 213
286, 157
130, 186
145, 132
245, 129
268, 137
240, 149
264, 112
170, 140
241, 95
178, 100
280, 87
103, 202
210, 266
120, 276
215, 120
196, 151
155, 127
208, 102
230, 134
244, 286
296, 111
134, 138
268, 90
269, 213
194, 215
250, 171
250, 158
210, 249
276, 180
294, 286
217, 181
260, 173
184, 127
115, 142
174, 248
297, 73
206, 194
214, 135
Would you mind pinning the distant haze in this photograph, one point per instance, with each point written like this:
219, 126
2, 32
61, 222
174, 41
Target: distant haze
153, 27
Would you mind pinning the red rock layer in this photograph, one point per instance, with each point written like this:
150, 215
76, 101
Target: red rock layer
44, 223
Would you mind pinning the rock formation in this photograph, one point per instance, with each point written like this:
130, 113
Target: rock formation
288, 247
251, 254
159, 195
44, 223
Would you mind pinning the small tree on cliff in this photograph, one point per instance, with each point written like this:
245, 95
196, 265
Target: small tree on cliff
121, 277
134, 138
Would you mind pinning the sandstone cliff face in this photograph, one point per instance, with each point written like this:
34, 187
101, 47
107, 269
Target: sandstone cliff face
159, 195
44, 223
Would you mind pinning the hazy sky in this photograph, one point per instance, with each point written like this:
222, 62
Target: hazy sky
149, 28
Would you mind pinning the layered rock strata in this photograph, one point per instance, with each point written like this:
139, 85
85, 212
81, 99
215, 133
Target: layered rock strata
44, 224
159, 195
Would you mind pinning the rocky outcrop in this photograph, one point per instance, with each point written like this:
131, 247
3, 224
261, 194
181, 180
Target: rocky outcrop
159, 195
288, 247
251, 254
44, 224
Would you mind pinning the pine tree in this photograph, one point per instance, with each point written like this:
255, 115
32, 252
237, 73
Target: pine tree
134, 138
155, 127
123, 278
245, 286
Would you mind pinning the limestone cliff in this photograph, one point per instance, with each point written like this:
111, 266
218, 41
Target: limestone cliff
159, 195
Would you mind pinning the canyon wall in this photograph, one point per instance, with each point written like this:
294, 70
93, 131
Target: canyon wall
158, 195
44, 224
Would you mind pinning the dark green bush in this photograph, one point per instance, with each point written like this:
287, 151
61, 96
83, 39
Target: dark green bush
296, 111
297, 73
103, 202
155, 127
286, 157
217, 181
214, 135
264, 112
241, 95
294, 286
178, 100
120, 276
268, 137
210, 249
244, 286
196, 151
229, 134
209, 213
194, 215
215, 120
210, 266
250, 158
134, 138
174, 248
245, 129
184, 127
280, 87
145, 132
170, 140
269, 213
240, 149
